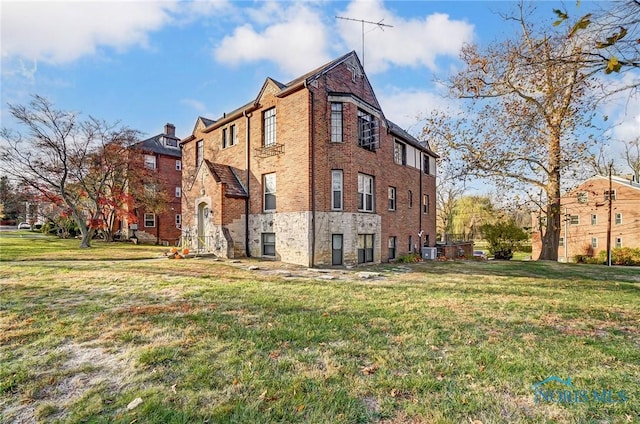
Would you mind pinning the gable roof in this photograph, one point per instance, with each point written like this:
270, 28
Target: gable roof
155, 144
399, 132
614, 179
224, 174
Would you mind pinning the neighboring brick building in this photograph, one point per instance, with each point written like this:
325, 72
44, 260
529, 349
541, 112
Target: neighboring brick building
586, 216
162, 154
310, 172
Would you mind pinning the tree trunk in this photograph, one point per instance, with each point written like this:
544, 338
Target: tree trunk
551, 237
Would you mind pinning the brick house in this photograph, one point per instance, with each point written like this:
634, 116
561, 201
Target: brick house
161, 154
310, 172
586, 217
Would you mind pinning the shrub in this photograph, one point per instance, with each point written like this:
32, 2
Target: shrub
621, 256
504, 236
409, 258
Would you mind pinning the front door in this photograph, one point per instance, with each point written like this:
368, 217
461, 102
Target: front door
336, 249
203, 212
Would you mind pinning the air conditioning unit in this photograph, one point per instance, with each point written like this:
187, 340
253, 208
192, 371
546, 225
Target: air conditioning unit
429, 253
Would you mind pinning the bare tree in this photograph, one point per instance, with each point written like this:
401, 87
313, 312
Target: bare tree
632, 157
526, 104
62, 157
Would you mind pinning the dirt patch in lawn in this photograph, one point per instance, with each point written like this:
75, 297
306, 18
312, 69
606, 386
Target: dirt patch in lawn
85, 369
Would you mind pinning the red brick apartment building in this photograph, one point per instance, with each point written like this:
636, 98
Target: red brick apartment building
310, 172
586, 212
162, 154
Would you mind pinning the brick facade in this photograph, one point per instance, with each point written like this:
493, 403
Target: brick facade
166, 228
303, 156
586, 215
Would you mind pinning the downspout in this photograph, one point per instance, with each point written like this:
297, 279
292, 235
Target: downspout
421, 203
313, 180
247, 199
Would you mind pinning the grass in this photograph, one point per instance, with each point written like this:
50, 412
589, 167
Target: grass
199, 340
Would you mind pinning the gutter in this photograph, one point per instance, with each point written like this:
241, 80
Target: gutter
313, 180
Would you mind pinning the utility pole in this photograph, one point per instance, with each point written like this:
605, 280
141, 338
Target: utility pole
566, 240
609, 221
379, 24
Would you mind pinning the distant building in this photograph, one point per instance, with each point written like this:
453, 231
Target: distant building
310, 172
161, 154
585, 212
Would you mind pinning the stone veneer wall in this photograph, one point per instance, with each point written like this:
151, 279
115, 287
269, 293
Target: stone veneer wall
349, 225
292, 235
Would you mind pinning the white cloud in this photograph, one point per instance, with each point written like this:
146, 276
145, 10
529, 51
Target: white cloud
411, 42
194, 104
63, 31
294, 38
408, 107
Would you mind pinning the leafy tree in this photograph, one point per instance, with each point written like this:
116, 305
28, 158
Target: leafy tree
469, 214
525, 104
504, 235
63, 158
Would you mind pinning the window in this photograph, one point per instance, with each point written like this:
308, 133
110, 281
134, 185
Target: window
561, 242
392, 247
594, 242
233, 135
178, 220
410, 244
269, 127
269, 244
426, 165
594, 219
336, 190
574, 219
170, 142
618, 242
225, 138
365, 248
178, 165
150, 161
269, 188
392, 198
400, 153
607, 193
150, 190
410, 195
336, 122
199, 153
149, 220
583, 197
366, 130
365, 193
618, 218
425, 203
178, 191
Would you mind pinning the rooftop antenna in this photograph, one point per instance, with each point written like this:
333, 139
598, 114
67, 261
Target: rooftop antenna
379, 24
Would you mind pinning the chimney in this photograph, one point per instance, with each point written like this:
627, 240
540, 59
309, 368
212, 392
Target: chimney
170, 129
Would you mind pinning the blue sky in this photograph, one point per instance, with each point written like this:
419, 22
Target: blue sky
146, 63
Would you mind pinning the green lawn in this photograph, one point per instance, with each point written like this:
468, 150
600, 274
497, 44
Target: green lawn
205, 341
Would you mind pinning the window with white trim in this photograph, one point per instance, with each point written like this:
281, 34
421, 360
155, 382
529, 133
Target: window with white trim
618, 218
269, 127
426, 164
225, 138
561, 242
618, 242
336, 122
150, 161
365, 193
269, 244
149, 220
178, 165
410, 198
392, 247
178, 220
400, 153
392, 198
336, 189
425, 204
574, 220
594, 242
594, 219
178, 191
269, 189
608, 193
